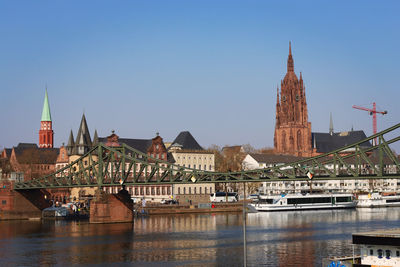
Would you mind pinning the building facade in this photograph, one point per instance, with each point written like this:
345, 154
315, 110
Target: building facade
188, 153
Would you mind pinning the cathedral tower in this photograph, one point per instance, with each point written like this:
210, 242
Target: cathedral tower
292, 129
46, 133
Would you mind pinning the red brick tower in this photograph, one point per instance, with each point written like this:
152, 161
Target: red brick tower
292, 129
46, 133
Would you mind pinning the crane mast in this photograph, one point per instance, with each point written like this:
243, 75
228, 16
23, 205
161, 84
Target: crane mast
372, 112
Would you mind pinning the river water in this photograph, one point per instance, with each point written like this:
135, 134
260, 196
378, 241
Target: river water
298, 238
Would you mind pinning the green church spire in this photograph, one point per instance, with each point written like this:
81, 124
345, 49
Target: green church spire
46, 116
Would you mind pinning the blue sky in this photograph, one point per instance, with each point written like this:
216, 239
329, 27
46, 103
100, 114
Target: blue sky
210, 67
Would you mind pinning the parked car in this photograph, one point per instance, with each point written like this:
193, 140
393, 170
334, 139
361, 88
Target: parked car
169, 201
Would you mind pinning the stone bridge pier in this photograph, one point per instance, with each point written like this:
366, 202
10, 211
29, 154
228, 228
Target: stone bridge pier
22, 204
111, 208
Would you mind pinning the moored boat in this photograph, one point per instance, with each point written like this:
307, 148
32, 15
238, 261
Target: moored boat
304, 202
376, 200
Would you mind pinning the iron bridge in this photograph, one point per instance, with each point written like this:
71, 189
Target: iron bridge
116, 166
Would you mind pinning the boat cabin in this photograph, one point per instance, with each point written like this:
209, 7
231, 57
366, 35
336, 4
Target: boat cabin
378, 248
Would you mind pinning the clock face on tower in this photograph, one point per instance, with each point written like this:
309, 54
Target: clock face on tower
297, 97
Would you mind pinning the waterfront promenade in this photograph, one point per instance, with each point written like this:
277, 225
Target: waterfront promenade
273, 239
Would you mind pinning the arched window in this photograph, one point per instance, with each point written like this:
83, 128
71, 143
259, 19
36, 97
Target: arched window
283, 141
299, 140
291, 140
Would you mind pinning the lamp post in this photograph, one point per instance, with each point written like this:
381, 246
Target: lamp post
244, 227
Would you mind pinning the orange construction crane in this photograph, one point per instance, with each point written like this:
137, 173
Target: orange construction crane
372, 112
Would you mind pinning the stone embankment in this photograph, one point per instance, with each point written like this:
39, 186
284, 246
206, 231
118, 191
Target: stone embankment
198, 208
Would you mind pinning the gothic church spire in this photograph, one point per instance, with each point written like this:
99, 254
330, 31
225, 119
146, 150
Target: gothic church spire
46, 116
290, 63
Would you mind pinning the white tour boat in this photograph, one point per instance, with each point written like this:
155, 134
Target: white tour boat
304, 202
375, 200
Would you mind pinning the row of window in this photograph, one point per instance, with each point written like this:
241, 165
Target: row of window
159, 156
194, 157
380, 252
41, 167
294, 201
323, 184
198, 166
189, 191
143, 191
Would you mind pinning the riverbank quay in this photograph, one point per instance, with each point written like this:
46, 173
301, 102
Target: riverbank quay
157, 209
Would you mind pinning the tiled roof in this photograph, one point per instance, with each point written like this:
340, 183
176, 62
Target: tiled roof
30, 153
325, 142
140, 144
26, 145
186, 141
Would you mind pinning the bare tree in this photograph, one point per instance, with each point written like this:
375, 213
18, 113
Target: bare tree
266, 150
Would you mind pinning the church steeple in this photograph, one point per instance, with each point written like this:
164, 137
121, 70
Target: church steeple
71, 143
46, 133
83, 141
292, 129
290, 63
46, 116
330, 125
95, 138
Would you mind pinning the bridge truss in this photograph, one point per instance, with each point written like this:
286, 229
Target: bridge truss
116, 166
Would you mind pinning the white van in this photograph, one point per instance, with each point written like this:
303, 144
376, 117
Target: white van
224, 197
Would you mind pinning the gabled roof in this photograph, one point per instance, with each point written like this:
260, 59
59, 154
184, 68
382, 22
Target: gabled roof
274, 158
186, 141
325, 142
140, 144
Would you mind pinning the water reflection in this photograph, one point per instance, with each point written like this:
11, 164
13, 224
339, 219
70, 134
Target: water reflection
274, 239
